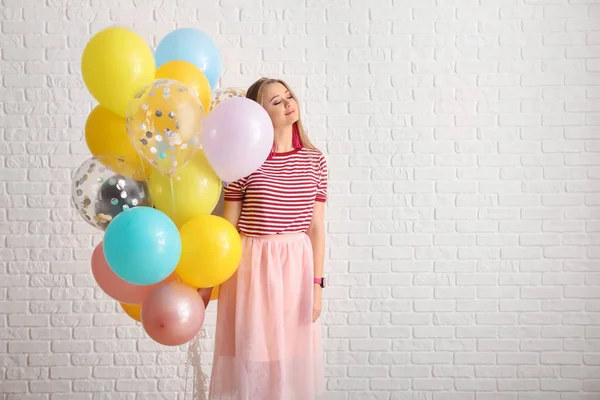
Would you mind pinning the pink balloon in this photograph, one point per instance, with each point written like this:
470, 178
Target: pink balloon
173, 314
116, 287
237, 138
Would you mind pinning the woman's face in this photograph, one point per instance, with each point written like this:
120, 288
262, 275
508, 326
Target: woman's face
280, 105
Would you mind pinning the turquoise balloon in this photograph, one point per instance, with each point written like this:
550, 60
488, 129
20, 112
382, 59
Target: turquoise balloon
142, 246
193, 46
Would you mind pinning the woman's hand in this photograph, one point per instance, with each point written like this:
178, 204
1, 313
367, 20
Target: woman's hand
317, 302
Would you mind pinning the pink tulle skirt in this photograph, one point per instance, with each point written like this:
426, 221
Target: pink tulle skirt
267, 346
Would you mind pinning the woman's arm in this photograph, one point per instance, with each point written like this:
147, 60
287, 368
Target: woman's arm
231, 212
316, 233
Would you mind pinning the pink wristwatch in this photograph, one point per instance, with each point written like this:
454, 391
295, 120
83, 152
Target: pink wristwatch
320, 282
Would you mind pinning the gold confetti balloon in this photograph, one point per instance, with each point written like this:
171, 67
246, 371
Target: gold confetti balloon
164, 123
105, 186
223, 94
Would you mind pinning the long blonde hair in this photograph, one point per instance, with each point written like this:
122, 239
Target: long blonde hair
256, 92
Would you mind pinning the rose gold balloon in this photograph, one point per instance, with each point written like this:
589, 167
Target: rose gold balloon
173, 314
116, 287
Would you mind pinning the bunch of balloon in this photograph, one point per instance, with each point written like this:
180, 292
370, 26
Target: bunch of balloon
147, 177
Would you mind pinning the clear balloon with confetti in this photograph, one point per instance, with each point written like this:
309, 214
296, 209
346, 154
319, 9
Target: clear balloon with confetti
105, 186
223, 94
164, 123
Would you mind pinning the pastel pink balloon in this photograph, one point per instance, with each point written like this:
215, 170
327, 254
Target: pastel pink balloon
237, 138
116, 287
173, 314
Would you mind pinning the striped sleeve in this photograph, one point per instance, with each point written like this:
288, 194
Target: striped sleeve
234, 191
323, 180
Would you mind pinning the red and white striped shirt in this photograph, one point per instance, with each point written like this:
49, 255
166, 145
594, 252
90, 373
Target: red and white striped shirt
279, 197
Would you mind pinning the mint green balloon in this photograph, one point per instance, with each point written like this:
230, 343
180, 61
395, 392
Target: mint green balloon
142, 246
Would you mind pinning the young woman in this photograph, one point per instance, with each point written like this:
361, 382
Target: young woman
268, 336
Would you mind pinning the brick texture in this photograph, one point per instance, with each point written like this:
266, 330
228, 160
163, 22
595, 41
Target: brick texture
463, 138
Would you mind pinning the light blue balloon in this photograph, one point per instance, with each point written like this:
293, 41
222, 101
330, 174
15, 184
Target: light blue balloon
142, 246
193, 46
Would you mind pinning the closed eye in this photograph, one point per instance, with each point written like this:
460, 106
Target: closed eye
279, 102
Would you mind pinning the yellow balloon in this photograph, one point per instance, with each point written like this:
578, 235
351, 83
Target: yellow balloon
164, 122
115, 63
106, 135
191, 76
133, 310
195, 190
211, 250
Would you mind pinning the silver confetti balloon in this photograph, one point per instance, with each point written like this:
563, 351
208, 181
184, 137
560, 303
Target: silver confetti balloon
105, 186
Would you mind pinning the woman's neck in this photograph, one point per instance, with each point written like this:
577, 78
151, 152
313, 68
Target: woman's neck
283, 139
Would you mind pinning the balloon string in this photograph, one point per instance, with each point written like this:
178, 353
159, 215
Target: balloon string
144, 177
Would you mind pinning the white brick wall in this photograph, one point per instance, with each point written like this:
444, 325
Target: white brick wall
464, 217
